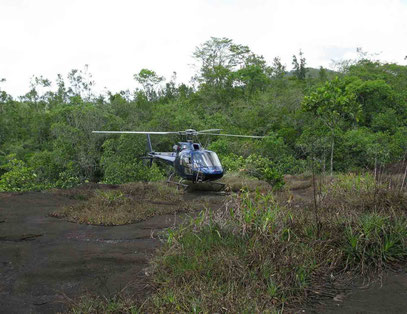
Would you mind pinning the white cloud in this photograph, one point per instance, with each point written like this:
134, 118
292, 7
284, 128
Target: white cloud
118, 38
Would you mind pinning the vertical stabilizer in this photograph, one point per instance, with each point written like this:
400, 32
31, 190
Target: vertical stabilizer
149, 147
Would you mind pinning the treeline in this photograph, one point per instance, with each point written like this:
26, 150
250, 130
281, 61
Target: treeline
350, 119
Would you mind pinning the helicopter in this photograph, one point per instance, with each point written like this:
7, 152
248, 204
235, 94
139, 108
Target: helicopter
189, 159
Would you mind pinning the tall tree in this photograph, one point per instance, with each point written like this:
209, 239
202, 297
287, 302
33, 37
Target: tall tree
217, 57
300, 71
335, 105
150, 81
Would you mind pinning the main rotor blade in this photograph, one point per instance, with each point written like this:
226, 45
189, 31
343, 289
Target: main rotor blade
209, 130
132, 132
234, 135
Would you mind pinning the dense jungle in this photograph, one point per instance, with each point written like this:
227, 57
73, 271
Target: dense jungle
350, 119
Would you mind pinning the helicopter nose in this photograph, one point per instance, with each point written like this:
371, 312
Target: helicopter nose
212, 170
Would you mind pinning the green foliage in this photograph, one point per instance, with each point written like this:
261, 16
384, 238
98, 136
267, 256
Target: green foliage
117, 172
149, 80
300, 71
45, 166
19, 177
121, 163
69, 177
365, 147
343, 120
332, 102
354, 183
255, 166
376, 240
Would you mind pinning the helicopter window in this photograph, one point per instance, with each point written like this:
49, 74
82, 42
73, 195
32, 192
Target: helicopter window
207, 159
186, 160
196, 146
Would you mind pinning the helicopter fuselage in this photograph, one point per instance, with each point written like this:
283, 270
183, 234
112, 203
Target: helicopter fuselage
192, 162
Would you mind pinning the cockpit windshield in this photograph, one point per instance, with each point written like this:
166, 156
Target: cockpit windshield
206, 159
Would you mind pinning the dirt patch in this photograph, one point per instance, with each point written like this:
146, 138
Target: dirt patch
387, 294
43, 259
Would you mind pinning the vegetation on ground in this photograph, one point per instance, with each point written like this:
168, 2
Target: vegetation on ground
127, 203
260, 256
264, 254
236, 181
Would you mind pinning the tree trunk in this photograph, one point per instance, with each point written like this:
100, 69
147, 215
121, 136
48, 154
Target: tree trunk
316, 216
332, 155
404, 178
375, 168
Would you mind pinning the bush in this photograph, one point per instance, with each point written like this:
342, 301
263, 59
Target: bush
69, 177
19, 176
117, 172
255, 166
45, 167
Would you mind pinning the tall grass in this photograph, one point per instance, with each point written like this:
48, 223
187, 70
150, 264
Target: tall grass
259, 256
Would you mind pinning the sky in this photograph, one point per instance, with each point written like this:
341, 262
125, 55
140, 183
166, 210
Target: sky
118, 38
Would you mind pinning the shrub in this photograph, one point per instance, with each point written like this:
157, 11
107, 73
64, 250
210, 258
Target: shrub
19, 176
117, 172
255, 166
41, 174
45, 167
69, 177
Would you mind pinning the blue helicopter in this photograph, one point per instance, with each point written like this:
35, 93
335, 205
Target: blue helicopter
189, 159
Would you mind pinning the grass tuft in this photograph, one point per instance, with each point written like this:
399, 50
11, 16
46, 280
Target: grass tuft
237, 181
129, 203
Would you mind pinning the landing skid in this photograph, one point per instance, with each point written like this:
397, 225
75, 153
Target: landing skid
179, 183
197, 185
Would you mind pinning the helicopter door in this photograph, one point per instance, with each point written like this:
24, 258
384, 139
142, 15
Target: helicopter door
186, 163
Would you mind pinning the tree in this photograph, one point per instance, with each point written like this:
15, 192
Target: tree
335, 105
80, 85
278, 70
218, 57
35, 96
322, 75
149, 80
374, 96
300, 71
253, 76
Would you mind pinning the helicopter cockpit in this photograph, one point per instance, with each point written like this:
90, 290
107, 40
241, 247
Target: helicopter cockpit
205, 159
